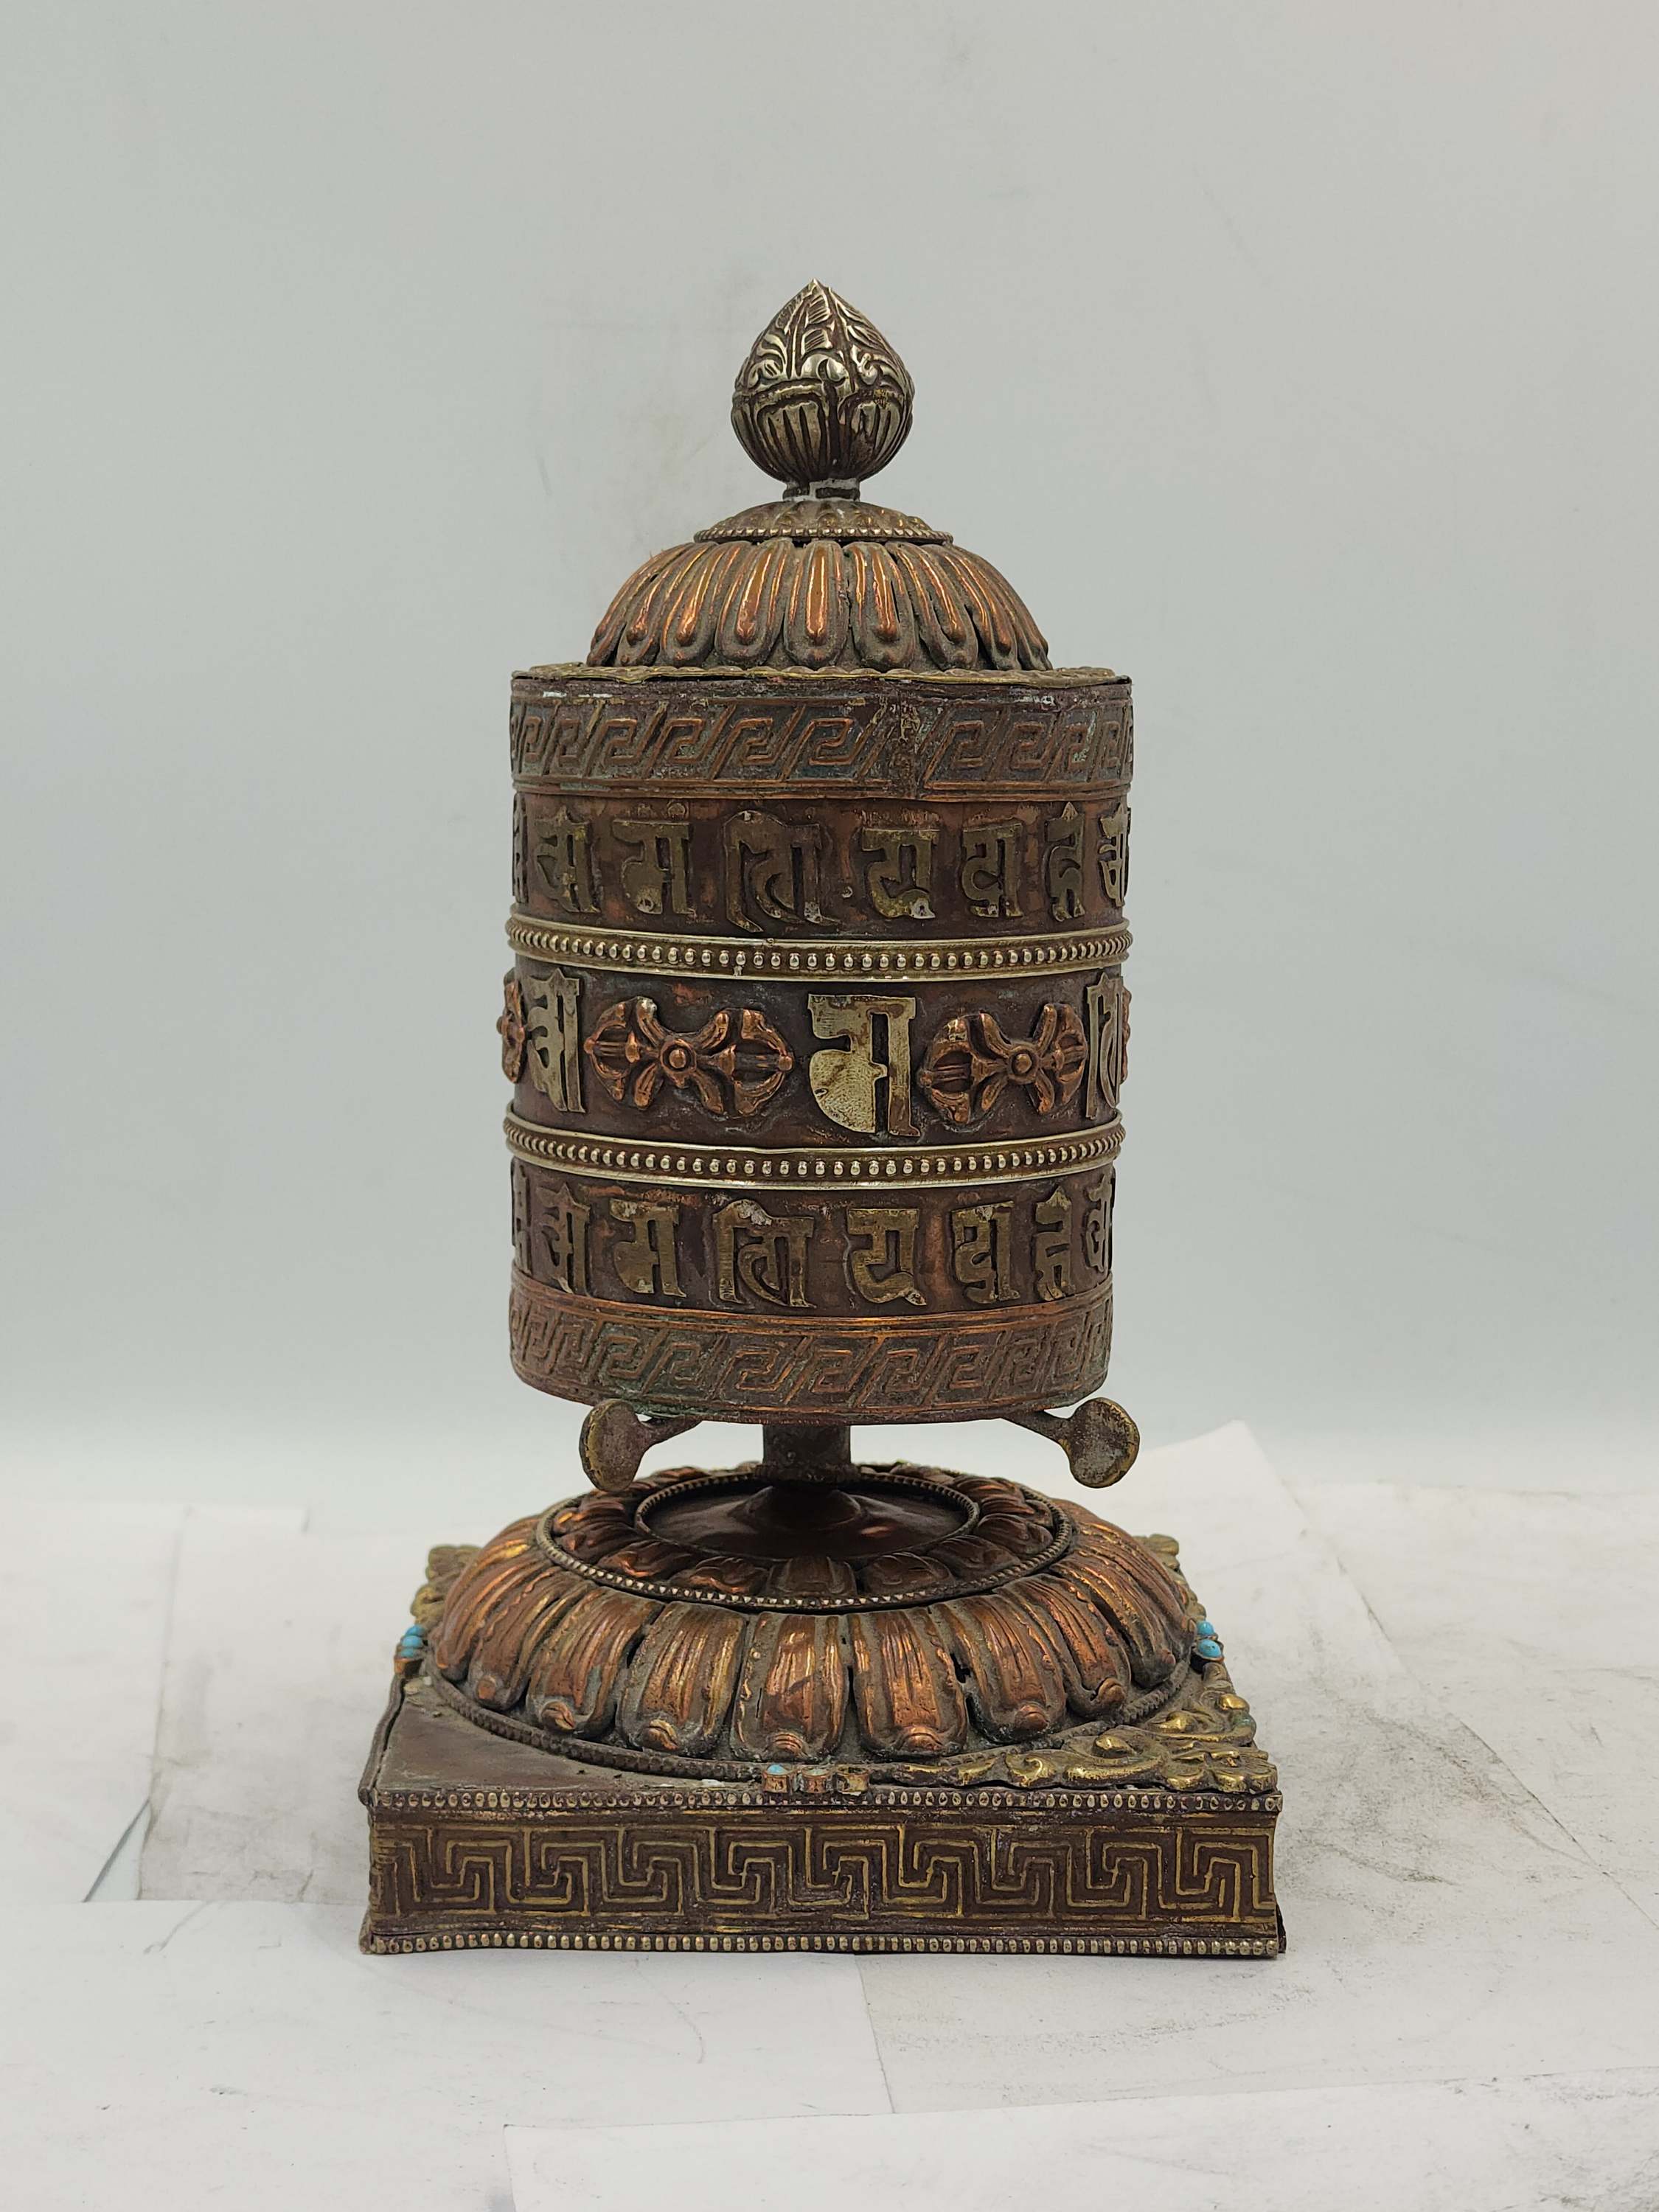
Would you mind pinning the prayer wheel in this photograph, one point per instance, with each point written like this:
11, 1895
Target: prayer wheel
816, 1028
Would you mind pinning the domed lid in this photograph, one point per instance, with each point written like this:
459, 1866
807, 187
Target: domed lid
820, 577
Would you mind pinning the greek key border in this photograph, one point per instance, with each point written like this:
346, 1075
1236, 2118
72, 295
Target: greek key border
746, 1366
411, 1830
838, 732
934, 960
817, 1166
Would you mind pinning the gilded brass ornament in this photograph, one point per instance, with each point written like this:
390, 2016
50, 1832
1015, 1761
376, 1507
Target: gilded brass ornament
637, 952
823, 400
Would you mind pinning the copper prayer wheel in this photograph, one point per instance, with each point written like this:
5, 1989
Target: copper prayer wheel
816, 1026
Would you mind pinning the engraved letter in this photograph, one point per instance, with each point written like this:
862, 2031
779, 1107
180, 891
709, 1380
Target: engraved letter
521, 1216
1062, 864
654, 880
564, 1241
1113, 854
566, 866
1106, 1001
1097, 1228
844, 1083
757, 1254
554, 1036
981, 1240
899, 876
772, 871
991, 854
883, 1269
647, 1263
1051, 1246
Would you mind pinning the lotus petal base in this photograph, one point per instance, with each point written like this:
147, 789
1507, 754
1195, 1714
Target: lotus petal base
909, 1622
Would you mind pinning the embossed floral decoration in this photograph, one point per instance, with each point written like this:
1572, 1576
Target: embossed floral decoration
971, 1063
512, 1028
734, 1062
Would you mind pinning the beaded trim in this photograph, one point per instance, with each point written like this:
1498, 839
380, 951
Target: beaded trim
1121, 1947
936, 960
630, 1162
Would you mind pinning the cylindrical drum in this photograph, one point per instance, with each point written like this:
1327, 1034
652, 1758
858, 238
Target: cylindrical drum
817, 1022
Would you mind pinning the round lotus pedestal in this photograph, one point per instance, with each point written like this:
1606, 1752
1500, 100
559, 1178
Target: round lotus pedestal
936, 1624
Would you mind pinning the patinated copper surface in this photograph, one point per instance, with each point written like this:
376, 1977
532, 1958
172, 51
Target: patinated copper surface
817, 1030
823, 1031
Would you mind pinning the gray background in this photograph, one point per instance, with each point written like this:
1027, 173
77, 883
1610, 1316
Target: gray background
1297, 360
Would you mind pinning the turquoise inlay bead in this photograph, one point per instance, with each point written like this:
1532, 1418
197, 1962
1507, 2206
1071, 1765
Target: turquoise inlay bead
1207, 1648
1207, 1628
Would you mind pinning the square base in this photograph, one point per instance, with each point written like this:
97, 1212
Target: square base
478, 1841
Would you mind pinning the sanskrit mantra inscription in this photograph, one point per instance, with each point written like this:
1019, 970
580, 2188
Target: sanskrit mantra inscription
848, 1252
759, 873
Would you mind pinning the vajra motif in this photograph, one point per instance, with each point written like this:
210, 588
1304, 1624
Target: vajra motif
735, 1062
971, 1063
513, 1027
